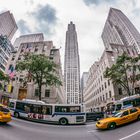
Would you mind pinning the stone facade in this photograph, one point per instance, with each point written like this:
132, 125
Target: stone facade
30, 91
119, 35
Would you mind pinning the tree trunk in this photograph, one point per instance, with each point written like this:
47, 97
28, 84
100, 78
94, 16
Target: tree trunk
40, 91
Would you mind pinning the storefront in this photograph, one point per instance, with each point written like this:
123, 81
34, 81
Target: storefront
4, 98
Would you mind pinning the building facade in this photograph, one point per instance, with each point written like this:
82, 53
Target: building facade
8, 26
119, 36
28, 38
22, 89
83, 83
118, 29
72, 66
99, 91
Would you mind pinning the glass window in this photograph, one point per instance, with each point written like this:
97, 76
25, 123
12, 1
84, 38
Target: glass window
118, 107
67, 109
46, 110
37, 92
127, 102
125, 113
133, 110
11, 105
36, 109
4, 109
138, 102
47, 93
20, 106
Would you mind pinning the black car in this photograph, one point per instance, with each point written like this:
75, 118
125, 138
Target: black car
94, 116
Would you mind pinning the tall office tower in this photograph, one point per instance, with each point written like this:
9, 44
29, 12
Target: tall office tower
119, 30
72, 66
7, 29
8, 25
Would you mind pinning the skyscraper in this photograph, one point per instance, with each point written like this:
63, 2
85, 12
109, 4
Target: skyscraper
8, 25
119, 30
72, 66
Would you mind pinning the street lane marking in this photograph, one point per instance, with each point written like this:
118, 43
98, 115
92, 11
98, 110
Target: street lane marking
130, 135
91, 131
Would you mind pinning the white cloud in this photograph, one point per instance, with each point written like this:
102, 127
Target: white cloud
89, 20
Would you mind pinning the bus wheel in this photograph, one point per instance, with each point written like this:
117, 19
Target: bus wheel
111, 125
63, 121
16, 114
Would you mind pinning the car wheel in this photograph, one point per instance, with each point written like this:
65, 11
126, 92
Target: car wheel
63, 121
16, 114
112, 125
138, 118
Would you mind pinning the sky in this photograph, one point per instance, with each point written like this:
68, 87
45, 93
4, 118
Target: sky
51, 17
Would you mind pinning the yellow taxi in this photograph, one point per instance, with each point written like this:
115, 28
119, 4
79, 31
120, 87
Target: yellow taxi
5, 115
122, 117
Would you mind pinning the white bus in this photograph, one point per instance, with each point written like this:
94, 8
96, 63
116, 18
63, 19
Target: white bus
130, 101
55, 113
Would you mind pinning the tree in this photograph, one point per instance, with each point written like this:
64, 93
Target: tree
3, 78
41, 69
124, 72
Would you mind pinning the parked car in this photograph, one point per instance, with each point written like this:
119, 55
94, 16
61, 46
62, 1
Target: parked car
122, 117
5, 115
94, 116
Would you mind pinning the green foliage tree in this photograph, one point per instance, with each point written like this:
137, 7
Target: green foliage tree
124, 72
41, 69
3, 78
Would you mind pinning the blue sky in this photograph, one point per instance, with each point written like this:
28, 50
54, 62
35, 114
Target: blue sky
52, 17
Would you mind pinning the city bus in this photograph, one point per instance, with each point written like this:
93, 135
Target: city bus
130, 101
51, 113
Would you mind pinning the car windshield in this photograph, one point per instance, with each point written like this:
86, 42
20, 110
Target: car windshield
118, 114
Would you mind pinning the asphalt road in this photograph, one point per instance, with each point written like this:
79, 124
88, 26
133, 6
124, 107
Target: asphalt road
25, 130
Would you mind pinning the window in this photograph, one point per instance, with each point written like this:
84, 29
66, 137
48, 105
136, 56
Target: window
47, 93
11, 105
105, 84
120, 91
36, 92
133, 110
118, 107
3, 109
127, 102
36, 109
20, 106
67, 109
108, 82
125, 113
46, 110
109, 94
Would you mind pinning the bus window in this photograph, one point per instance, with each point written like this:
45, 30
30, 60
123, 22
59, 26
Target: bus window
74, 109
20, 106
61, 109
47, 110
127, 102
11, 105
118, 107
36, 109
67, 109
138, 102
